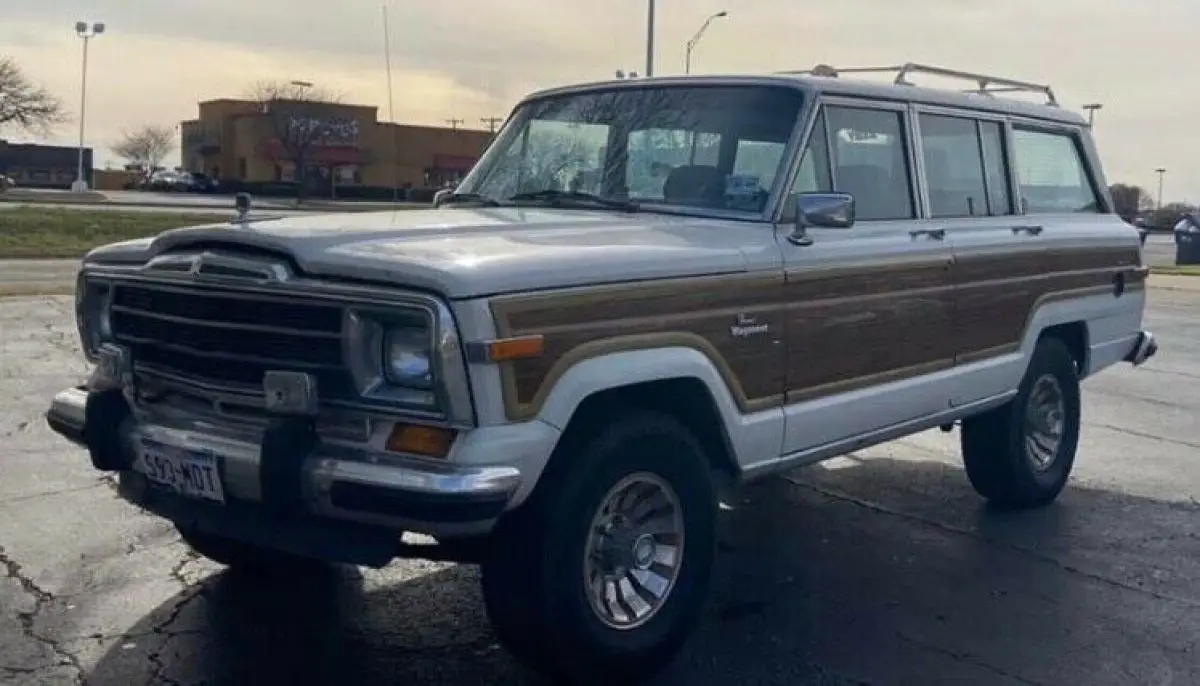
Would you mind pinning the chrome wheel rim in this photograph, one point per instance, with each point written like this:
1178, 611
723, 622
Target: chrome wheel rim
634, 551
1045, 422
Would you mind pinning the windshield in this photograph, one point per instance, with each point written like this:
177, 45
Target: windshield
707, 147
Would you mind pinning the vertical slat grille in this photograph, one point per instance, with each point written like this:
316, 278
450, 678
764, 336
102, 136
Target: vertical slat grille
230, 339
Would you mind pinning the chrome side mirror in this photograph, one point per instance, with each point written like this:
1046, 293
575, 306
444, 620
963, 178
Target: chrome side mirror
440, 196
823, 211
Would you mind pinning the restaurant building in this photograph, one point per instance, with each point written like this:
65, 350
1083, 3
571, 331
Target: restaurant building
240, 140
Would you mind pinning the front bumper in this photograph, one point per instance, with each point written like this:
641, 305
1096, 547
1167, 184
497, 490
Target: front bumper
269, 470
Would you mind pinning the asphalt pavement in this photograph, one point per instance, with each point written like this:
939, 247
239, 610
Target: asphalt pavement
879, 568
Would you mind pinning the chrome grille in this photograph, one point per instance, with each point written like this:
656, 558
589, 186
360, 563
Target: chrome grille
228, 340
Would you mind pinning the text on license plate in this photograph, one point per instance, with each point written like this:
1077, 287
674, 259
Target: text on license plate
188, 472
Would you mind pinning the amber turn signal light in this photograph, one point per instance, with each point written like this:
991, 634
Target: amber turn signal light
520, 348
429, 441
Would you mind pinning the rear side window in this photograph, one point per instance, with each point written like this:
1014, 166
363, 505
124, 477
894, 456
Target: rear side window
1052, 174
965, 170
953, 158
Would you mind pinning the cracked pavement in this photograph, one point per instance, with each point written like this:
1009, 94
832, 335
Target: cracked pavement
881, 567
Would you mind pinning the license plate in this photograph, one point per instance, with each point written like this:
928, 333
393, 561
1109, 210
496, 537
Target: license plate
188, 472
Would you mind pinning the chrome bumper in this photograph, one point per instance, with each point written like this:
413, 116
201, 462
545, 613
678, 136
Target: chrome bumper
1144, 349
332, 481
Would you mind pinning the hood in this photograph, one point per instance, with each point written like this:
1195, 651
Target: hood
469, 252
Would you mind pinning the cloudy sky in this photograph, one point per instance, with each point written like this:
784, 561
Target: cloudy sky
473, 58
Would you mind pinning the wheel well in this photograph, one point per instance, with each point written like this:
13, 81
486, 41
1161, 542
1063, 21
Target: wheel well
1075, 336
687, 399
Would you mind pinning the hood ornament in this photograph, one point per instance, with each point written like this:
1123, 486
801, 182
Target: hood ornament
241, 204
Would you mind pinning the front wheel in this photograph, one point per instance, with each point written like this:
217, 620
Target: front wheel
600, 577
1022, 453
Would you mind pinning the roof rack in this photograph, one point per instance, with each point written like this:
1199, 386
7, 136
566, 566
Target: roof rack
985, 84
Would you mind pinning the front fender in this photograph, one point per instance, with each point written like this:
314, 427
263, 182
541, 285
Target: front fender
752, 436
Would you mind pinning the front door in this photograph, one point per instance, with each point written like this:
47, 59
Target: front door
870, 308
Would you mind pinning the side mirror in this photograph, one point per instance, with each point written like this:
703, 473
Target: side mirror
440, 196
823, 211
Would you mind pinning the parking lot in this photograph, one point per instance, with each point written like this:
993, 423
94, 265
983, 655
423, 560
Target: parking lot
878, 568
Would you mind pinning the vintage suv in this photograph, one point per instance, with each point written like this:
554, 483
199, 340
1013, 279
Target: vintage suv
645, 292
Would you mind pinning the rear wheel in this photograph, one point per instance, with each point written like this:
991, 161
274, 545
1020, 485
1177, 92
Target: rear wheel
600, 577
1022, 453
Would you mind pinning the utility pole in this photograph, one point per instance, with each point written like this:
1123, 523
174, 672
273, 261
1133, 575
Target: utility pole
492, 122
650, 39
1091, 110
387, 58
1160, 171
454, 123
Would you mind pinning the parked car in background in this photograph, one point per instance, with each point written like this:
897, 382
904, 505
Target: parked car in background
198, 182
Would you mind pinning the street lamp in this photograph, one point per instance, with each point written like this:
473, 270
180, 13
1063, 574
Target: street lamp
1091, 110
86, 32
1160, 171
691, 45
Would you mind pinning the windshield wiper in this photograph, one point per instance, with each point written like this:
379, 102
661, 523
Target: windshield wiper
559, 198
470, 197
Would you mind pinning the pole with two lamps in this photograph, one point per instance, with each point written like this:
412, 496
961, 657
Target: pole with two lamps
691, 44
87, 32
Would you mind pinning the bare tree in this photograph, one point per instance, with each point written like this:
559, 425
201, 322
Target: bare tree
24, 104
299, 119
147, 146
1129, 201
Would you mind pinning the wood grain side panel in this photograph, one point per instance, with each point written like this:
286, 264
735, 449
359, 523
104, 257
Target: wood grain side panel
998, 294
696, 313
848, 328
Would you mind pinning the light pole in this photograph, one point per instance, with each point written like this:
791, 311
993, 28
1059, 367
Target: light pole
650, 39
1091, 110
1160, 171
691, 44
86, 32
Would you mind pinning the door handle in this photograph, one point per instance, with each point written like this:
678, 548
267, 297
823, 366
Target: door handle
935, 234
1031, 230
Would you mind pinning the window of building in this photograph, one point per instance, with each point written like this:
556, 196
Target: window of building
1052, 174
870, 161
953, 157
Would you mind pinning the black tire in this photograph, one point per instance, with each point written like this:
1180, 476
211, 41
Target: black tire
245, 557
533, 575
998, 460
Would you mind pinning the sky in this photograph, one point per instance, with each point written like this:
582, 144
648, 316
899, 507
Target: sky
469, 59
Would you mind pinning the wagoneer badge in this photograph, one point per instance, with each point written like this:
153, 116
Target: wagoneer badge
747, 326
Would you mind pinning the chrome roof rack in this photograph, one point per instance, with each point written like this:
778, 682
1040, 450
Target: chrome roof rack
985, 84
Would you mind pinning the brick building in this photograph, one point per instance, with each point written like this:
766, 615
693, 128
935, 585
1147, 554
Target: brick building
236, 140
43, 166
